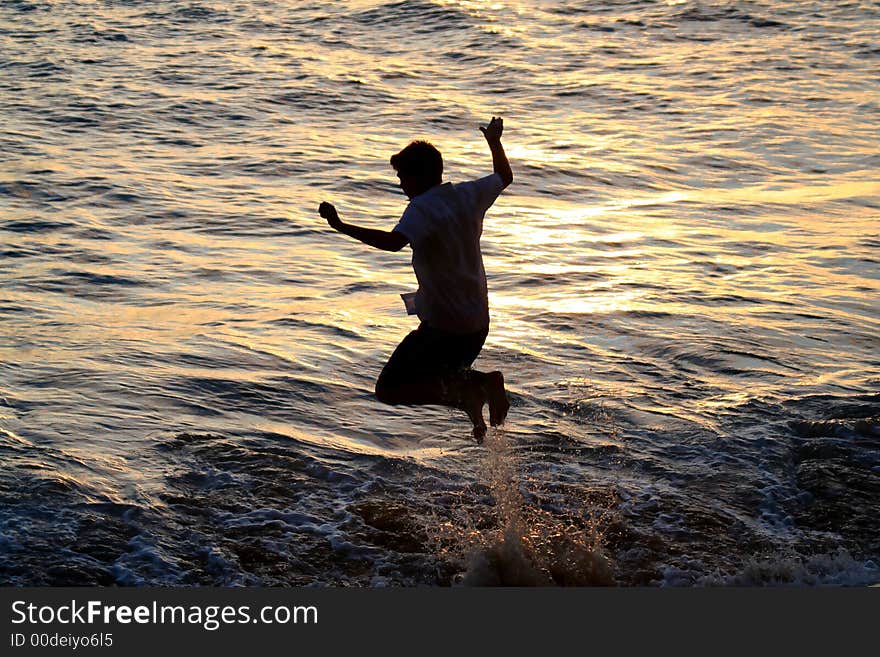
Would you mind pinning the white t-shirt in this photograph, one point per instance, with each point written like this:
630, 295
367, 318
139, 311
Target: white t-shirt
443, 226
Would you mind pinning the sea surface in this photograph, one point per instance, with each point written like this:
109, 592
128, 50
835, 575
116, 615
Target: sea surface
684, 284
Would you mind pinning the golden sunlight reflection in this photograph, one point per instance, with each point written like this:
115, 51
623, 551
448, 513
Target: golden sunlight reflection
595, 301
346, 444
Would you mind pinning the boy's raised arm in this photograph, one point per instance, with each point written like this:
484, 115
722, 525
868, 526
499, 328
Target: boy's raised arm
500, 164
380, 239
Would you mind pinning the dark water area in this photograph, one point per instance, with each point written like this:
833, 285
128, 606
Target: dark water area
683, 286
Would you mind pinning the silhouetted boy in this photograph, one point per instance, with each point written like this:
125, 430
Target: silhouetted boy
442, 224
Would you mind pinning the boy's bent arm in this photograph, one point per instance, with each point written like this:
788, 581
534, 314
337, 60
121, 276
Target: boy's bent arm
500, 163
379, 239
387, 240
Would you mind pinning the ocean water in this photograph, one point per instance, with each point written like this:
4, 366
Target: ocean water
683, 283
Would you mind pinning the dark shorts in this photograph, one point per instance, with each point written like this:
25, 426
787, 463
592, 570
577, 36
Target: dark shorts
428, 353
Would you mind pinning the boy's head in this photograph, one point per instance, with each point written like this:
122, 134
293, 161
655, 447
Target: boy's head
419, 167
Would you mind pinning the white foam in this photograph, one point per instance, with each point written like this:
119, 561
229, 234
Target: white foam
834, 569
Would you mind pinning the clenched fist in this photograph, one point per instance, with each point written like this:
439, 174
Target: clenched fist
329, 213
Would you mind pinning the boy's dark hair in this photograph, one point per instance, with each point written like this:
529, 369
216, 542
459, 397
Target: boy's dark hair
419, 159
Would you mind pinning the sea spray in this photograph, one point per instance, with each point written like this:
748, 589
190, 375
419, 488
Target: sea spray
515, 541
508, 560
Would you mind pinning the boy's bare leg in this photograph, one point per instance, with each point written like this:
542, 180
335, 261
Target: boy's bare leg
463, 392
467, 391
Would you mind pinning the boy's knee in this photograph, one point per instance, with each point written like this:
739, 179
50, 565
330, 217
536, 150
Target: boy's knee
384, 392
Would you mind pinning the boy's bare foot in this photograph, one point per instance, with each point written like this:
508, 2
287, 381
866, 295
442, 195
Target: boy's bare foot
497, 395
472, 404
480, 432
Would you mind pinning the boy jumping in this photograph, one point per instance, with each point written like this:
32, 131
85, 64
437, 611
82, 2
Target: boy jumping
442, 224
